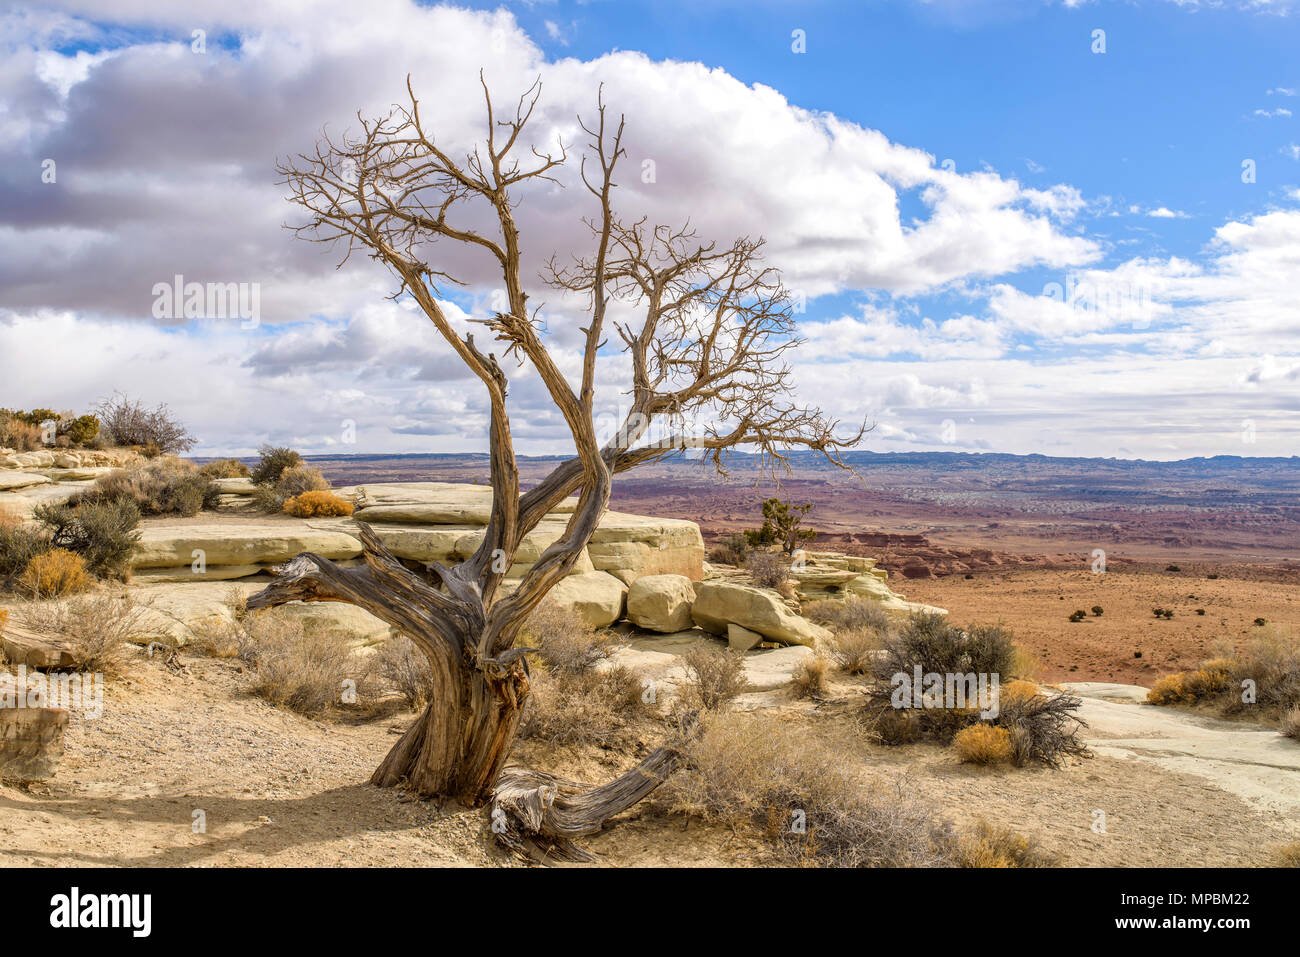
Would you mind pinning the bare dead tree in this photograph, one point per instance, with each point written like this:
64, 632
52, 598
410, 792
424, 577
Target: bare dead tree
709, 342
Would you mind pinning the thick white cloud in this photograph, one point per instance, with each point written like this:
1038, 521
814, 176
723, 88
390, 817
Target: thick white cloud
165, 158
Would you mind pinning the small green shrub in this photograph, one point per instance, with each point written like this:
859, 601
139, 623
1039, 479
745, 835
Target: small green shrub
103, 533
781, 526
271, 463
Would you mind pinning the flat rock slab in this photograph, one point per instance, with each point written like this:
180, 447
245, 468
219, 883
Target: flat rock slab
31, 742
428, 503
1255, 763
10, 480
23, 502
235, 486
1106, 691
164, 545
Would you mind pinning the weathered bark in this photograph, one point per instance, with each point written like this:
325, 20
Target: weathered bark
539, 814
458, 744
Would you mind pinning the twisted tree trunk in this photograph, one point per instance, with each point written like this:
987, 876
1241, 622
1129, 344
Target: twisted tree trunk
459, 744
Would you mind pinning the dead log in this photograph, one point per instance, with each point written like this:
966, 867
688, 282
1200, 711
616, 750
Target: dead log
538, 815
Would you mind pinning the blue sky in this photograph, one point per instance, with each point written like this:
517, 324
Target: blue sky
966, 162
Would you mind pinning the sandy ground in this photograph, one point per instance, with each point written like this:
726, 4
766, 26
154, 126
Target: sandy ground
277, 789
1036, 604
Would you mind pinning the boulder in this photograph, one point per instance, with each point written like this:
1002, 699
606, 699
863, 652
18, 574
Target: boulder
167, 545
597, 597
719, 603
742, 639
661, 603
633, 546
31, 742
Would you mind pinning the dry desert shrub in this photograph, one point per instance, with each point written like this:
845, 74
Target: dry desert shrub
225, 468
17, 434
101, 626
730, 550
1290, 720
715, 676
301, 479
404, 667
755, 770
809, 679
1288, 855
896, 726
55, 574
102, 533
563, 642
1168, 690
767, 569
576, 699
854, 650
317, 503
982, 744
294, 481
1016, 692
987, 846
125, 421
301, 666
851, 614
165, 486
1270, 661
931, 642
598, 707
213, 638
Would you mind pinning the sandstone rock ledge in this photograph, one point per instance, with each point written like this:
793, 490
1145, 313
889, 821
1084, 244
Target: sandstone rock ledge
648, 570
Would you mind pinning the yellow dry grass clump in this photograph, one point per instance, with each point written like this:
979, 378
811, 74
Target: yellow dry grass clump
55, 573
1017, 692
983, 744
1288, 855
988, 846
317, 503
809, 679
